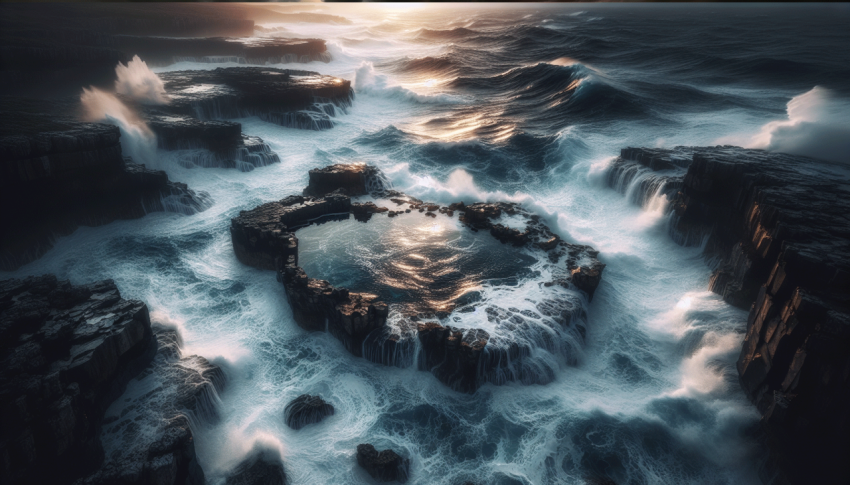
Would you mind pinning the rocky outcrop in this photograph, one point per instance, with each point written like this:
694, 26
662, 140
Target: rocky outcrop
306, 409
210, 143
67, 352
352, 180
275, 50
296, 99
57, 174
383, 466
777, 225
262, 466
265, 238
146, 435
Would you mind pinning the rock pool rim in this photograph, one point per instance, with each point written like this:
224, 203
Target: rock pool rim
263, 238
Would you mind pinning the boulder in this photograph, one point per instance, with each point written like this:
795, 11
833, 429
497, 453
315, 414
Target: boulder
306, 409
352, 179
383, 466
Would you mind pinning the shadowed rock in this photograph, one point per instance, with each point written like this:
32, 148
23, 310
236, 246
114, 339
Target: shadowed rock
777, 224
296, 99
306, 409
383, 466
146, 434
262, 466
57, 173
65, 353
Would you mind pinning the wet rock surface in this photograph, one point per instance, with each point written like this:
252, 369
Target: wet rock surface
306, 409
461, 358
291, 98
147, 437
58, 174
777, 223
383, 466
262, 466
67, 351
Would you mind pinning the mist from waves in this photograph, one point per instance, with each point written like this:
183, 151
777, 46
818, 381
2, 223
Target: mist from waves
525, 104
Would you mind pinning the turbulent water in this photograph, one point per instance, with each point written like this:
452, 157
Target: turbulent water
524, 104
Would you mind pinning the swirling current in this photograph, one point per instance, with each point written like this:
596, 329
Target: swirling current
522, 103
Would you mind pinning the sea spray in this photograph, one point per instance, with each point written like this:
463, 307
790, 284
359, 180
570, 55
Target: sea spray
138, 82
137, 140
818, 126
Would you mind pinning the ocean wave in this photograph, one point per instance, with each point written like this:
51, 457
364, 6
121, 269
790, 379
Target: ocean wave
441, 35
368, 81
444, 65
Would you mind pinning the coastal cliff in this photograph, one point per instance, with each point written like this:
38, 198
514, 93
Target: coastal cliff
775, 228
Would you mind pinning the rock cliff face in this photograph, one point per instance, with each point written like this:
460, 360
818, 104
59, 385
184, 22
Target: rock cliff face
297, 99
67, 352
461, 358
146, 434
57, 174
778, 226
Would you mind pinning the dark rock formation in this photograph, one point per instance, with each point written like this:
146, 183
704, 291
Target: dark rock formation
306, 409
262, 466
297, 99
384, 466
352, 180
146, 433
167, 50
584, 270
57, 174
65, 353
211, 143
461, 358
778, 225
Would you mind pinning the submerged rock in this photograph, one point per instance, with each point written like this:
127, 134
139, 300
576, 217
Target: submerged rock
777, 224
306, 409
262, 466
65, 353
383, 466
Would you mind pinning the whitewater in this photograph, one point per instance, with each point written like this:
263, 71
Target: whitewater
526, 104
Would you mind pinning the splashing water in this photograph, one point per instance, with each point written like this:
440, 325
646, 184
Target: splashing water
138, 82
137, 140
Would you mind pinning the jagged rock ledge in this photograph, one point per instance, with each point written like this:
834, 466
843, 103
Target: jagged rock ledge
776, 228
210, 143
147, 434
67, 352
264, 238
57, 174
92, 393
296, 99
